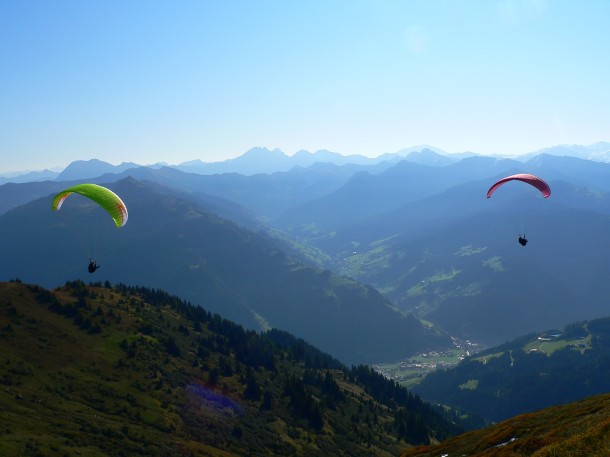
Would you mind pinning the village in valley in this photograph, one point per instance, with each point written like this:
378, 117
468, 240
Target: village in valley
410, 371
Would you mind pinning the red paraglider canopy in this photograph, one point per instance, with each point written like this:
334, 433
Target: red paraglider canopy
527, 178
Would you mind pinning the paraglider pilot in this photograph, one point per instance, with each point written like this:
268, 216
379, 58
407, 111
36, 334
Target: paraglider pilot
522, 240
92, 266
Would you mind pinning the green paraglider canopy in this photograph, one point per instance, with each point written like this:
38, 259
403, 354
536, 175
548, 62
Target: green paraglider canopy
101, 195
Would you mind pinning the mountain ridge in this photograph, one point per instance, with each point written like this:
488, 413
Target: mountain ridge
599, 151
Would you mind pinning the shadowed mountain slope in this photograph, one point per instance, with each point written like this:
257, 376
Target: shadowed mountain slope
453, 258
172, 243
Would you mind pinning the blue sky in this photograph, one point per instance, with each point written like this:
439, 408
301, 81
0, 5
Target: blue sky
150, 81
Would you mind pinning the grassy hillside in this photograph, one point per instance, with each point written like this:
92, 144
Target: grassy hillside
101, 370
580, 429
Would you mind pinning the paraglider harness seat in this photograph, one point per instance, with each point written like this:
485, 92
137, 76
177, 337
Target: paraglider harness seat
522, 240
92, 266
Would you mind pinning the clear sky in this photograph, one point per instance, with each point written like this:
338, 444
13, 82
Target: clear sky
149, 81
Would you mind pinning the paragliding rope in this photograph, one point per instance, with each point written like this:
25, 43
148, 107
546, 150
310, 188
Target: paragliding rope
527, 178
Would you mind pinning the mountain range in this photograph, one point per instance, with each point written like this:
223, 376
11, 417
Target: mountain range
424, 236
430, 241
370, 262
263, 160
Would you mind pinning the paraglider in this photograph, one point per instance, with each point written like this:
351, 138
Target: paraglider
532, 180
100, 195
92, 266
104, 197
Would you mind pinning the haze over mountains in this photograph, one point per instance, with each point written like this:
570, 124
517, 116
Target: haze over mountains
419, 230
430, 241
263, 160
175, 244
369, 260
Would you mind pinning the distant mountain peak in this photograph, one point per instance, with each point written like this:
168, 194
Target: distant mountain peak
32, 176
263, 152
429, 157
418, 148
85, 169
598, 152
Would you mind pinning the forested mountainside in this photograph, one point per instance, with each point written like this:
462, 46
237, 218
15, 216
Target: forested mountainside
100, 369
529, 373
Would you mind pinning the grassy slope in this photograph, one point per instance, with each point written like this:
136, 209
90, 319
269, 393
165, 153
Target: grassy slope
99, 371
580, 429
62, 391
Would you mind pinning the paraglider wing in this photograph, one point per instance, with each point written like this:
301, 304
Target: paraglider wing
101, 195
527, 178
